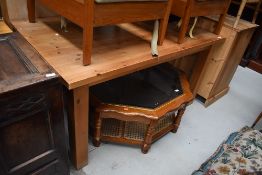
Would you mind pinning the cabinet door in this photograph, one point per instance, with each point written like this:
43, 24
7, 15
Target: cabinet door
32, 132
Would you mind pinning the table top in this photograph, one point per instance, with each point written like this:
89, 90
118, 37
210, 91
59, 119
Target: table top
117, 50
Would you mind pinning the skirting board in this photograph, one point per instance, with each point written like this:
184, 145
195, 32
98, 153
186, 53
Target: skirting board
256, 66
211, 100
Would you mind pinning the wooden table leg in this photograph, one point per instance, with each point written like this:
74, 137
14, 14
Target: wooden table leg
78, 126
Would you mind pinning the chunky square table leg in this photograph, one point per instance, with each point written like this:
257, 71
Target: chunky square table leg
78, 126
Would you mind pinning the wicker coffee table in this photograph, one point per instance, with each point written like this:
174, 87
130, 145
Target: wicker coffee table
141, 107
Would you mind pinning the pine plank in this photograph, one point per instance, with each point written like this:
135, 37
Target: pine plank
118, 50
225, 57
4, 29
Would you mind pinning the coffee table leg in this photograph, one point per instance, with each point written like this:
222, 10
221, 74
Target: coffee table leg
178, 118
148, 137
78, 126
97, 134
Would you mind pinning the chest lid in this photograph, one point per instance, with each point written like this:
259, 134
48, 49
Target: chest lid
20, 64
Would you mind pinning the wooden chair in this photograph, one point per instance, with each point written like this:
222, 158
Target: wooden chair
241, 8
92, 13
194, 8
141, 107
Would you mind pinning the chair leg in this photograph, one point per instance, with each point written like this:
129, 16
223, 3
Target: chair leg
31, 10
256, 12
98, 128
88, 32
222, 19
162, 32
178, 118
219, 24
183, 28
164, 23
240, 11
148, 137
87, 46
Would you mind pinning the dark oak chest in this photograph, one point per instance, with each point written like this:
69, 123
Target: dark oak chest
32, 127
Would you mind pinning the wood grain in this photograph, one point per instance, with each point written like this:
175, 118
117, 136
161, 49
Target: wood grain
78, 125
151, 118
14, 10
225, 57
91, 14
4, 29
88, 31
192, 8
130, 12
118, 50
32, 130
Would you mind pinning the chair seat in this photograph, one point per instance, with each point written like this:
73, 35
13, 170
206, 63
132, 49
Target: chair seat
110, 1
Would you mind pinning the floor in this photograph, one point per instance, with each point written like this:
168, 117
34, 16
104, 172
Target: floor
200, 133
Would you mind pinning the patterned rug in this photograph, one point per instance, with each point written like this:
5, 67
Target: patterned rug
240, 154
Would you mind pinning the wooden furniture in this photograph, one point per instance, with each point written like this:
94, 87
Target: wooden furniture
4, 29
194, 8
225, 57
257, 120
253, 55
140, 108
32, 128
127, 52
13, 9
1, 16
256, 63
89, 14
241, 8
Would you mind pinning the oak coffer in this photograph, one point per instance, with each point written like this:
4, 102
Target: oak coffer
32, 125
